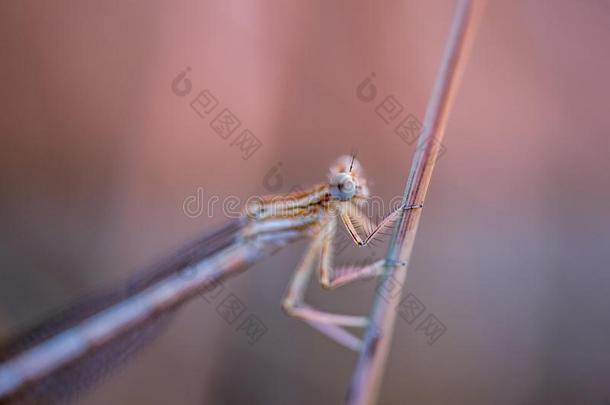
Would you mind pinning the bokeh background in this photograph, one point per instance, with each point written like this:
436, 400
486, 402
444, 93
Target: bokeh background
99, 154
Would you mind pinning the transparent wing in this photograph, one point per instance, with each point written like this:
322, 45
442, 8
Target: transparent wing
63, 384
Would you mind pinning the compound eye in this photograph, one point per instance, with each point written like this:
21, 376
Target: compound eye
347, 186
343, 186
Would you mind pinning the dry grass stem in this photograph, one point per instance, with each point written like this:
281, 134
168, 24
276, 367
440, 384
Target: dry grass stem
367, 376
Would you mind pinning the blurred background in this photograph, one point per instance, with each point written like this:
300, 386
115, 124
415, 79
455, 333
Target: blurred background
101, 148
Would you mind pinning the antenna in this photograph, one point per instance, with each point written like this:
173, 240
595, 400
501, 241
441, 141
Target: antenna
353, 157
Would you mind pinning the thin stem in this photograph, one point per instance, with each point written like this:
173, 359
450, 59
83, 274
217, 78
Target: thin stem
367, 376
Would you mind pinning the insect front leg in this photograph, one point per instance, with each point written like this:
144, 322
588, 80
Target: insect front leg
351, 212
329, 324
336, 277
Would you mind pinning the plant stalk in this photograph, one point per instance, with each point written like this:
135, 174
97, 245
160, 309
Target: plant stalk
367, 376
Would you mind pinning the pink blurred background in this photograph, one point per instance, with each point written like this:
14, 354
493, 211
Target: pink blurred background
99, 155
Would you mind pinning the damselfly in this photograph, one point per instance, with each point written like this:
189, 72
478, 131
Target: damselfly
74, 348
